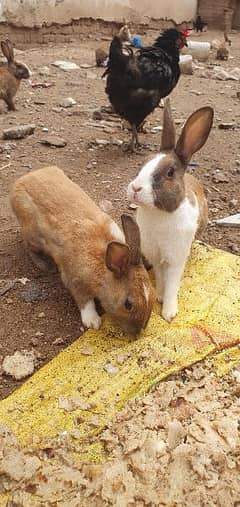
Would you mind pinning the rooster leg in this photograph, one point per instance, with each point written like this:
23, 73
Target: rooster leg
134, 143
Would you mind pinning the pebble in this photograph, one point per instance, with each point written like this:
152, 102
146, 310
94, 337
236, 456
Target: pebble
220, 178
102, 142
227, 126
5, 286
41, 315
58, 341
97, 115
19, 132
233, 202
33, 293
7, 147
57, 109
67, 102
44, 71
155, 130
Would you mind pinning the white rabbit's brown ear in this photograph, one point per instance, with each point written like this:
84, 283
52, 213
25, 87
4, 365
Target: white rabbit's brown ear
132, 236
117, 258
7, 49
194, 134
168, 134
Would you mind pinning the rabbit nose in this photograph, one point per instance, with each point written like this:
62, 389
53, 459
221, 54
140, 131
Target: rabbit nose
136, 188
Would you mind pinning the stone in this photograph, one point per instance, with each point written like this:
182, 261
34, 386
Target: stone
19, 132
102, 142
44, 71
7, 147
55, 141
33, 293
227, 125
67, 102
65, 65
220, 177
157, 129
86, 65
231, 220
5, 286
132, 206
233, 202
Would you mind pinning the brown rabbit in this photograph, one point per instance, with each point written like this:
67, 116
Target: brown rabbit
11, 75
94, 258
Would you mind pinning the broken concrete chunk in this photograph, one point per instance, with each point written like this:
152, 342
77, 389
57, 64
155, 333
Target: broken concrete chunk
19, 365
19, 132
56, 141
65, 65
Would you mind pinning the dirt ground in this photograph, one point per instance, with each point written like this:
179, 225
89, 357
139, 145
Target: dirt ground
37, 312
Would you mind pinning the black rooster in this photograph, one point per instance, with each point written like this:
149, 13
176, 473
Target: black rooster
137, 82
199, 24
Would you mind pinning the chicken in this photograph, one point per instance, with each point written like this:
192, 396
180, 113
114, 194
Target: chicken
136, 82
199, 24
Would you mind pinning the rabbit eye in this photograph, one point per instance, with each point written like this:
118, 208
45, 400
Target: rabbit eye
128, 304
171, 172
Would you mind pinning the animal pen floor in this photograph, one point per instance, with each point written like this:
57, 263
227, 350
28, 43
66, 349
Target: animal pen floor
37, 313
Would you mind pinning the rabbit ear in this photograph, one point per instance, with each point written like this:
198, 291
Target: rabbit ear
195, 133
117, 258
7, 49
132, 236
168, 134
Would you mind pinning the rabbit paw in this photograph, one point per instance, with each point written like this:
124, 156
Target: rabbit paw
169, 311
90, 317
160, 297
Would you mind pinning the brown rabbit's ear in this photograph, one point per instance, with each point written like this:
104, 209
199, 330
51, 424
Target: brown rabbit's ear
195, 133
7, 49
168, 134
132, 236
117, 258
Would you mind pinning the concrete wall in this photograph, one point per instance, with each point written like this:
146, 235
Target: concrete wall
30, 13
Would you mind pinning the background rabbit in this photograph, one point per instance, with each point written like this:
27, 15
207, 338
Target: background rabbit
172, 205
11, 75
58, 219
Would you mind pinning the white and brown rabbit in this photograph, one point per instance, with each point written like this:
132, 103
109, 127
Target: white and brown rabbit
11, 74
172, 205
95, 259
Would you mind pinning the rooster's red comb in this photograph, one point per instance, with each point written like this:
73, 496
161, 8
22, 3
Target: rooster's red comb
186, 32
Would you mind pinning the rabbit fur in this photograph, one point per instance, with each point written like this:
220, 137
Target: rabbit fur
11, 74
95, 259
172, 208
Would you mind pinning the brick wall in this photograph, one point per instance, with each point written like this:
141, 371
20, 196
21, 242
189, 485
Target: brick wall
212, 12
